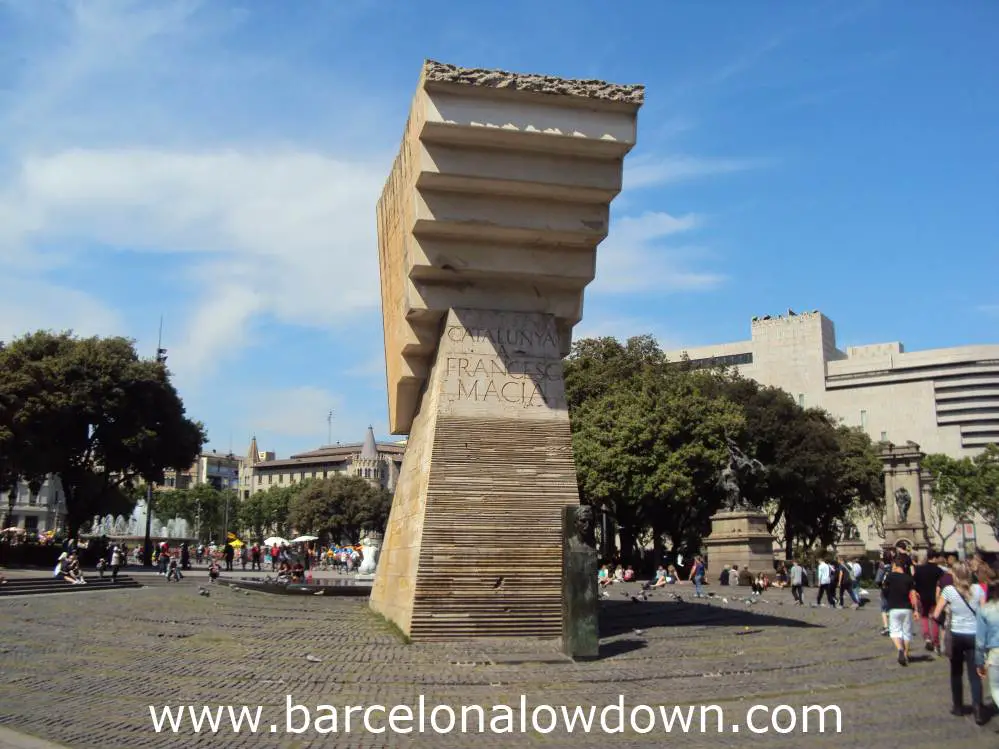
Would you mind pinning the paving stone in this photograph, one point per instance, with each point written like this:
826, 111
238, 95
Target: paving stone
82, 670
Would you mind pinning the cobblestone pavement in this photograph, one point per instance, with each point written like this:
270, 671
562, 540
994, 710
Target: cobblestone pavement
81, 669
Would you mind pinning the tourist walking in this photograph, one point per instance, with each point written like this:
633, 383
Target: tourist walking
117, 557
927, 577
844, 574
903, 604
824, 575
987, 640
697, 576
796, 577
964, 600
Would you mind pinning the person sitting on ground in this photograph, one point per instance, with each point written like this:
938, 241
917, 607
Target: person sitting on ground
733, 576
298, 572
660, 579
604, 576
619, 574
71, 571
671, 575
629, 574
213, 570
723, 577
284, 572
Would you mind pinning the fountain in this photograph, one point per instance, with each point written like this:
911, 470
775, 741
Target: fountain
135, 526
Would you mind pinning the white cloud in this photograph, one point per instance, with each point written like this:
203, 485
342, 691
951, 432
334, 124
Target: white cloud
293, 412
268, 232
649, 171
298, 416
634, 259
27, 304
623, 328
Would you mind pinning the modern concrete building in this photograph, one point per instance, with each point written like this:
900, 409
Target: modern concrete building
945, 400
378, 462
35, 512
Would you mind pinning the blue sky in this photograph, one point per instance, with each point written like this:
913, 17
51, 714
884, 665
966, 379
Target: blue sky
218, 163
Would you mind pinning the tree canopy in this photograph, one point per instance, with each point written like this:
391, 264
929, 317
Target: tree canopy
650, 441
339, 508
962, 488
92, 412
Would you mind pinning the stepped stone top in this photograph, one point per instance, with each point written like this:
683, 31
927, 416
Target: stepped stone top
440, 72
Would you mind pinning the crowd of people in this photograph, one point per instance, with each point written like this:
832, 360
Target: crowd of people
956, 604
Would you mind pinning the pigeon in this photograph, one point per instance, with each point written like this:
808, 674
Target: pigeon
313, 659
724, 600
638, 632
634, 599
204, 593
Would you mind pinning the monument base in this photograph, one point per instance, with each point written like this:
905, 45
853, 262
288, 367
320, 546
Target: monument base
852, 549
473, 546
740, 537
913, 534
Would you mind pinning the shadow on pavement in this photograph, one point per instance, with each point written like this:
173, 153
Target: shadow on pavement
620, 617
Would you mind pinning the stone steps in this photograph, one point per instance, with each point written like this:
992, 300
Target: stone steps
28, 586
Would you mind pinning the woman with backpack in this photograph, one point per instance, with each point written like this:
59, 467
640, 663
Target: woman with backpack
964, 600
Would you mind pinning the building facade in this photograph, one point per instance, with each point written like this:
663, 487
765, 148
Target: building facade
221, 470
377, 462
944, 400
35, 512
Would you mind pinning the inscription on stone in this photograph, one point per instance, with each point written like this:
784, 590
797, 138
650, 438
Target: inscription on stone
517, 365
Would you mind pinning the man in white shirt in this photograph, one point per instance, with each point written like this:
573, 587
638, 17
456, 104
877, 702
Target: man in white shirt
824, 579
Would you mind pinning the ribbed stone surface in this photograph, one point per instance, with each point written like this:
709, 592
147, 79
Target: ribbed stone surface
497, 200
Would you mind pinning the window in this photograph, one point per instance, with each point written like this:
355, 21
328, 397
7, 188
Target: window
801, 400
884, 436
32, 497
270, 478
260, 479
863, 419
30, 523
281, 478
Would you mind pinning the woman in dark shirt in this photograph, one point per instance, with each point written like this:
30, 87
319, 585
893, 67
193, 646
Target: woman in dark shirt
902, 601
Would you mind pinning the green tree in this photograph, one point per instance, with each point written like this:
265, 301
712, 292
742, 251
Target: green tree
266, 512
648, 439
95, 414
339, 507
987, 463
957, 492
817, 473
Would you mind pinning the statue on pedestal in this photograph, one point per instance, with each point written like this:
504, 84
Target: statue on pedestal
903, 501
729, 479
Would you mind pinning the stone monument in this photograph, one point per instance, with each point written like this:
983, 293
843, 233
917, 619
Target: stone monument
905, 501
739, 532
487, 234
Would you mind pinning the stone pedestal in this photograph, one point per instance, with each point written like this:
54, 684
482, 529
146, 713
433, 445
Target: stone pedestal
852, 549
580, 597
740, 537
474, 541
